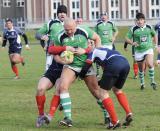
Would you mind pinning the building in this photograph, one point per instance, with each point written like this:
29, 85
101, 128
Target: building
14, 9
36, 12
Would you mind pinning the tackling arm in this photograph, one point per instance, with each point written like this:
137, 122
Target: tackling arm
85, 69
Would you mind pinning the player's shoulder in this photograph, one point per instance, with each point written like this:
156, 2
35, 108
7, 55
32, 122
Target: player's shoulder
134, 27
99, 22
53, 21
110, 22
148, 26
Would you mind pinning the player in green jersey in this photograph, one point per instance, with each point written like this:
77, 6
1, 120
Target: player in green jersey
49, 30
107, 31
77, 39
142, 36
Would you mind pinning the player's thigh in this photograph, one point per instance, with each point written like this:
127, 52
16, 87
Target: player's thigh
149, 60
44, 84
67, 77
91, 82
107, 81
15, 57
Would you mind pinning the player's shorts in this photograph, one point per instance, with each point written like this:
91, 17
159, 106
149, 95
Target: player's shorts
53, 73
108, 46
15, 49
77, 70
115, 73
140, 56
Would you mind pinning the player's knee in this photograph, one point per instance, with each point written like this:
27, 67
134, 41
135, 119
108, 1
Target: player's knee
41, 89
15, 60
62, 87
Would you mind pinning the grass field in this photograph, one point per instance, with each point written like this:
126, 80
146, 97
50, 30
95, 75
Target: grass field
18, 111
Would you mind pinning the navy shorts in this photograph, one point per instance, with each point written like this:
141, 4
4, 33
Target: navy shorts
54, 72
115, 73
15, 49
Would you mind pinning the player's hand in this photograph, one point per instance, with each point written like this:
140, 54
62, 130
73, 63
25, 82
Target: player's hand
70, 48
27, 47
79, 51
45, 38
135, 44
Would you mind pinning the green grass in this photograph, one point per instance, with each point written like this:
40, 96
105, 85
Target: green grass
18, 111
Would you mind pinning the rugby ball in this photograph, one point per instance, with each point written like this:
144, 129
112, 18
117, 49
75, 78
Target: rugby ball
67, 56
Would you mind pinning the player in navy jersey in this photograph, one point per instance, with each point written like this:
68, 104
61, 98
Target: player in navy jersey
12, 34
115, 71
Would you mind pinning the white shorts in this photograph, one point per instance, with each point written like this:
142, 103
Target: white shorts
90, 72
108, 46
139, 56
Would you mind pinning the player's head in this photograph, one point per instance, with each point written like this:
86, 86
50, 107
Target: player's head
9, 23
140, 19
104, 16
69, 26
79, 20
62, 12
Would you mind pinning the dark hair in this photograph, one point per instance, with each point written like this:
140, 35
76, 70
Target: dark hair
62, 9
8, 20
140, 16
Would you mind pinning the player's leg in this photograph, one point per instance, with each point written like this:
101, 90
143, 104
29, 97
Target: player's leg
106, 84
13, 65
140, 58
135, 65
149, 61
135, 69
53, 74
92, 84
66, 79
15, 58
43, 85
122, 99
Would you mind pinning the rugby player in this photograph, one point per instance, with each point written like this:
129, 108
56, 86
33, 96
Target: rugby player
12, 34
142, 36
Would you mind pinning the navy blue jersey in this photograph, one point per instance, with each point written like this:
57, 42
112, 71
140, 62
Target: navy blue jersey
13, 36
102, 55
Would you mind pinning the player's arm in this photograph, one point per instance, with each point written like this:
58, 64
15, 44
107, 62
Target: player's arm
26, 41
115, 30
4, 43
125, 45
85, 69
88, 64
20, 32
96, 39
4, 40
41, 34
129, 38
